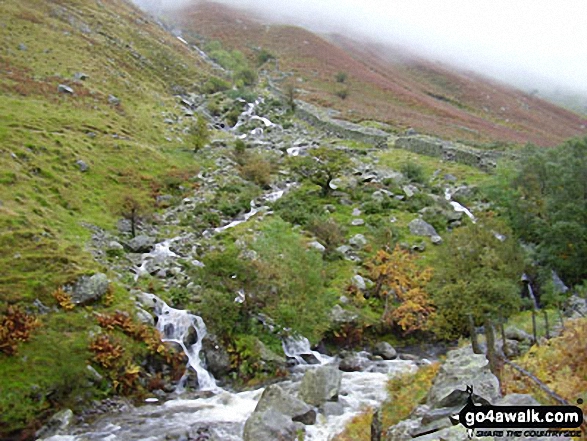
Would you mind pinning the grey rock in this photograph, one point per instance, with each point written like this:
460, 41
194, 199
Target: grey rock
62, 88
385, 350
359, 282
575, 307
343, 249
83, 167
357, 222
352, 363
89, 289
358, 241
140, 244
22, 47
144, 317
80, 76
269, 425
463, 367
450, 178
269, 357
420, 227
410, 190
114, 246
356, 212
113, 100
275, 398
517, 400
217, 358
436, 240
58, 423
514, 333
320, 385
339, 316
317, 246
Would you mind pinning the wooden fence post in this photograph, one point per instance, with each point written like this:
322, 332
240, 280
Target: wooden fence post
376, 426
490, 340
534, 333
473, 333
546, 324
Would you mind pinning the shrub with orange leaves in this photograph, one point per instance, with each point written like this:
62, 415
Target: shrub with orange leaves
15, 326
402, 284
63, 299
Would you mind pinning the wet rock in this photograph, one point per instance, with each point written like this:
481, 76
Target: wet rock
385, 350
269, 425
269, 357
420, 227
140, 244
352, 363
83, 167
57, 424
217, 359
320, 385
275, 398
89, 289
62, 88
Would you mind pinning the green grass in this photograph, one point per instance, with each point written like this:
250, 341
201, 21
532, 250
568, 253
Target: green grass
45, 198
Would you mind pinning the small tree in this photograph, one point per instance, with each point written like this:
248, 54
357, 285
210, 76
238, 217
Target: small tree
402, 284
478, 273
131, 209
199, 134
341, 77
321, 167
291, 94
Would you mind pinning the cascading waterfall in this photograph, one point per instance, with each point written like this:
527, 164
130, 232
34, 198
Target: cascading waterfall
298, 348
175, 326
458, 207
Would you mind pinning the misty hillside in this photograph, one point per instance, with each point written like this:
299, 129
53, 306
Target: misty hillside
384, 84
213, 228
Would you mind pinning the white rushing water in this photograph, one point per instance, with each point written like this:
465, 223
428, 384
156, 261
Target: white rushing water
458, 207
175, 326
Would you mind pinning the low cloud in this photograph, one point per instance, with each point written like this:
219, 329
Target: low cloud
533, 44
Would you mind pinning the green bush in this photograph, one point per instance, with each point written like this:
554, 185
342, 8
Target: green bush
328, 232
298, 207
414, 172
214, 85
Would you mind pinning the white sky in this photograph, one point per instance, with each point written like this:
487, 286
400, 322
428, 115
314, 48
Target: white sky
530, 43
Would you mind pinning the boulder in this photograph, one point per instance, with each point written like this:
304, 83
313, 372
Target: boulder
513, 333
270, 425
83, 167
140, 244
332, 409
339, 316
58, 423
89, 288
320, 385
275, 398
352, 363
385, 350
358, 241
358, 282
317, 246
217, 359
461, 368
420, 227
62, 88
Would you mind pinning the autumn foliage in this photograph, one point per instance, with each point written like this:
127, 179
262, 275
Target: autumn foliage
15, 326
402, 284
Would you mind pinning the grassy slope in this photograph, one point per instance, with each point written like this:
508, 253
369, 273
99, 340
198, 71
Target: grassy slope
386, 86
44, 197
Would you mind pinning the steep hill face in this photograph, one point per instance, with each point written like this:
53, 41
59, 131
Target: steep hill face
388, 85
85, 87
